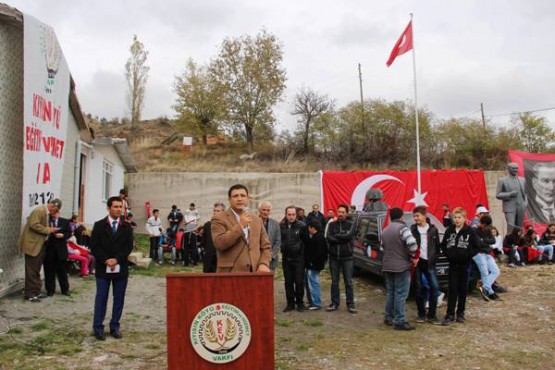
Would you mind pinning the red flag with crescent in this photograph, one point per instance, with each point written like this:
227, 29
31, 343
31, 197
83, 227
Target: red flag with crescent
458, 188
403, 44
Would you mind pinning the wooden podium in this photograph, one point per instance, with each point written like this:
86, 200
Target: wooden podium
220, 320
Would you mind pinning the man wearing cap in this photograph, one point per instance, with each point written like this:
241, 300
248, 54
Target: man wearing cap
480, 211
31, 242
175, 217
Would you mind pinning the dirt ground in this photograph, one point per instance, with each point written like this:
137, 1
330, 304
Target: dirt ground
516, 333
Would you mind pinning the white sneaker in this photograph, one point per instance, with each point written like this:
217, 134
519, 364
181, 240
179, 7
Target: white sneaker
440, 299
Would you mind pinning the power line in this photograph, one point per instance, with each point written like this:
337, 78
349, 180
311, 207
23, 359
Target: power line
528, 111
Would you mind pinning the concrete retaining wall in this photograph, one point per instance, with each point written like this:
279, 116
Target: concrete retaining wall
282, 189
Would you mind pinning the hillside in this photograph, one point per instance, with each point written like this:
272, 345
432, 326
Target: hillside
157, 147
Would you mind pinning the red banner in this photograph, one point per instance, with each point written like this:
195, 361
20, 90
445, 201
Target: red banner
458, 188
538, 171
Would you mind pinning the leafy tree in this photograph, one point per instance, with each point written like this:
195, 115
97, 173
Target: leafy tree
535, 134
309, 105
248, 70
136, 73
200, 101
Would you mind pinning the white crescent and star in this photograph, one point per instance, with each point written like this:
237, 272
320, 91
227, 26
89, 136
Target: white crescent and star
359, 193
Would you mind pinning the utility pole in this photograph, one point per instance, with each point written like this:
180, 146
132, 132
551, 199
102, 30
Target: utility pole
361, 96
483, 117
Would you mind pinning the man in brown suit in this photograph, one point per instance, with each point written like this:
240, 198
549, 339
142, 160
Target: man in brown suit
31, 242
239, 237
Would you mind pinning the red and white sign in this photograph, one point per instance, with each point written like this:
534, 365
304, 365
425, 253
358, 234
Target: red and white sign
458, 188
45, 114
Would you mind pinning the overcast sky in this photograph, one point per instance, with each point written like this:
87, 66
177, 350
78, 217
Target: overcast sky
497, 52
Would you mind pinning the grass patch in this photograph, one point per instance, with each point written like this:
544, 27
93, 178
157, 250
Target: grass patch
152, 346
284, 323
15, 331
313, 323
40, 326
303, 347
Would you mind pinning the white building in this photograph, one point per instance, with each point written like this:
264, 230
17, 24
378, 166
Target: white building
93, 169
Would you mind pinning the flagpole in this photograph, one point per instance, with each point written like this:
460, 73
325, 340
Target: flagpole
416, 113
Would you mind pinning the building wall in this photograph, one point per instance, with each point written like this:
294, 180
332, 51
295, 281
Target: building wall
11, 158
95, 204
282, 189
68, 175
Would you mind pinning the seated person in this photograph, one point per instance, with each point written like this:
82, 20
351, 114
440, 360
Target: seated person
511, 247
81, 254
530, 241
167, 244
498, 246
82, 236
548, 237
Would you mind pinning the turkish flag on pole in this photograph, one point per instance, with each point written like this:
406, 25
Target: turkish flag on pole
403, 44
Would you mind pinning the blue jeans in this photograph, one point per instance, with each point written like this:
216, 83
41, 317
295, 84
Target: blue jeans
424, 269
398, 285
347, 267
313, 287
547, 249
161, 254
119, 286
489, 271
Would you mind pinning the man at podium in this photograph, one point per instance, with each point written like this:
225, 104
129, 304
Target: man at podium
240, 237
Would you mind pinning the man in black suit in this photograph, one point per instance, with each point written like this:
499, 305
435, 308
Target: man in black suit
55, 259
111, 244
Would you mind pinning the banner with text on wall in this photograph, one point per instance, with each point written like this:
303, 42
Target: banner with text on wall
45, 114
464, 188
538, 171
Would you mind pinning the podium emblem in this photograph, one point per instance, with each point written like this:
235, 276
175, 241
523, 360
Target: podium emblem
220, 333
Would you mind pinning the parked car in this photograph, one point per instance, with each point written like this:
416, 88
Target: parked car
368, 252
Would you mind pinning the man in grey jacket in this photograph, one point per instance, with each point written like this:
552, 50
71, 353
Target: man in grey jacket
272, 229
399, 248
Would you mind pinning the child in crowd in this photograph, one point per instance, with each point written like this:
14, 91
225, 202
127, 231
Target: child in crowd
498, 246
530, 240
81, 254
457, 243
511, 244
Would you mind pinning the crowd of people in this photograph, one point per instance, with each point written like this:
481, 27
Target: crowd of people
238, 239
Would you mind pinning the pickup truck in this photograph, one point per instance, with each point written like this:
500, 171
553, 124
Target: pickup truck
368, 252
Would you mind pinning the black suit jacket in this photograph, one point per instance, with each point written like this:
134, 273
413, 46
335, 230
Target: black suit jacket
104, 246
58, 246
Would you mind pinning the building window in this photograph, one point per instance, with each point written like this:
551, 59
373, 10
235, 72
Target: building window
107, 174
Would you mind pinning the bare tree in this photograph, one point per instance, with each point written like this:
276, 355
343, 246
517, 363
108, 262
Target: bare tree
136, 73
309, 105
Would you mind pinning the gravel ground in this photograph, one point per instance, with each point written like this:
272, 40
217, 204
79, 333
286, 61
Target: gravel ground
516, 333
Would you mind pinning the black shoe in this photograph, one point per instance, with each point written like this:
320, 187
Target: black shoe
42, 295
421, 319
404, 326
352, 309
67, 294
50, 294
460, 318
116, 334
288, 308
433, 320
301, 307
448, 320
331, 307
499, 289
100, 336
484, 294
494, 297
33, 299
388, 322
